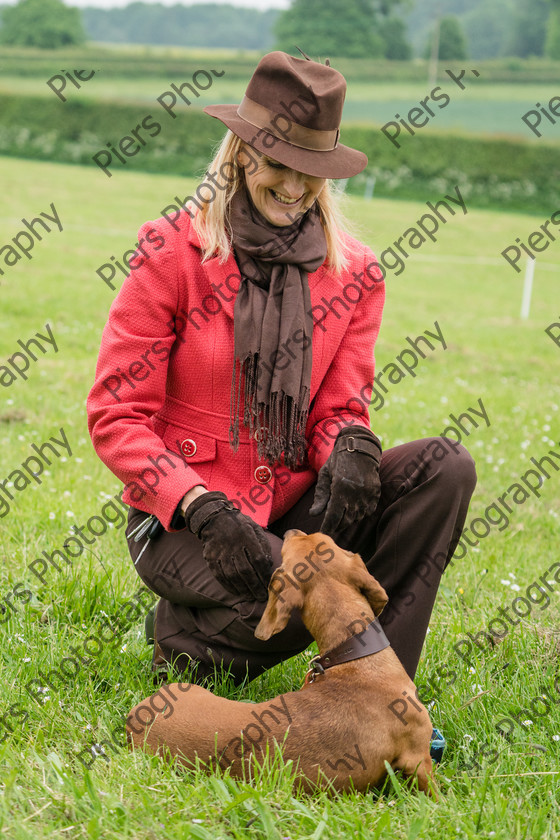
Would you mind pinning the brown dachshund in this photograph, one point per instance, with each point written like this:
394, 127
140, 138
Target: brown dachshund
342, 726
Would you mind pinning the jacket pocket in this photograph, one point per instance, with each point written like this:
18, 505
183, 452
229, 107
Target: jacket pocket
193, 447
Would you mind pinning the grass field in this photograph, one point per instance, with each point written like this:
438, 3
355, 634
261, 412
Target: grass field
491, 786
480, 108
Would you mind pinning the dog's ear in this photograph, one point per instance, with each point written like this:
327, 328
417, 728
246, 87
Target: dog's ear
283, 597
369, 586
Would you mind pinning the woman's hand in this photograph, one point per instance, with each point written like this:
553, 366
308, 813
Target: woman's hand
189, 497
348, 481
234, 547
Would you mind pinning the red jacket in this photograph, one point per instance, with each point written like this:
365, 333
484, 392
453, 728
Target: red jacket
158, 412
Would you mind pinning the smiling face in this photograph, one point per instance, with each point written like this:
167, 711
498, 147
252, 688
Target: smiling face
279, 193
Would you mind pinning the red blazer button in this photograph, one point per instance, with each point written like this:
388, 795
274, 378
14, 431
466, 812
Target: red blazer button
188, 447
263, 475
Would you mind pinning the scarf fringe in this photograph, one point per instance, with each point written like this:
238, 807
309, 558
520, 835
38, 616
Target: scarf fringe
279, 427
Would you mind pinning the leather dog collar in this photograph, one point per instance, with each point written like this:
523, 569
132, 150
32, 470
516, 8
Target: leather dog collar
368, 641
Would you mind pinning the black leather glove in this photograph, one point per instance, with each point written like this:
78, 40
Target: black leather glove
234, 547
349, 481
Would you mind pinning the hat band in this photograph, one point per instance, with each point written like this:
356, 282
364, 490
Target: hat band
294, 134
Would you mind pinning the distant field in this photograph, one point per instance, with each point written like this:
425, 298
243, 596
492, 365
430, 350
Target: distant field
480, 109
492, 787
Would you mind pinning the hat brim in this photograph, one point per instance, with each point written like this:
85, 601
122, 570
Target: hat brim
341, 162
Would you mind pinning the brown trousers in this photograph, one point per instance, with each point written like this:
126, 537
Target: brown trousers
426, 486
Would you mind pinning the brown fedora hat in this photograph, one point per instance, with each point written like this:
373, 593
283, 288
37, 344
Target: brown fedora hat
291, 112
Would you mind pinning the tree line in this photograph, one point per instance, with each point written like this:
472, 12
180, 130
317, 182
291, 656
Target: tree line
393, 29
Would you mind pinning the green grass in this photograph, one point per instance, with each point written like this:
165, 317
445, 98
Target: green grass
128, 59
479, 109
462, 282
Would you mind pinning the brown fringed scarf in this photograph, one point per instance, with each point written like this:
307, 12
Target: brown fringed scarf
273, 328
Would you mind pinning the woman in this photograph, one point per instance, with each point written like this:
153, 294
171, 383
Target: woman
230, 393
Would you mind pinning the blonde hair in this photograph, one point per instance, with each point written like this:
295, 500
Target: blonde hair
225, 173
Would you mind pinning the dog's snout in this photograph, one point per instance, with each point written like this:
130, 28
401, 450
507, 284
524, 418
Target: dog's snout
294, 532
